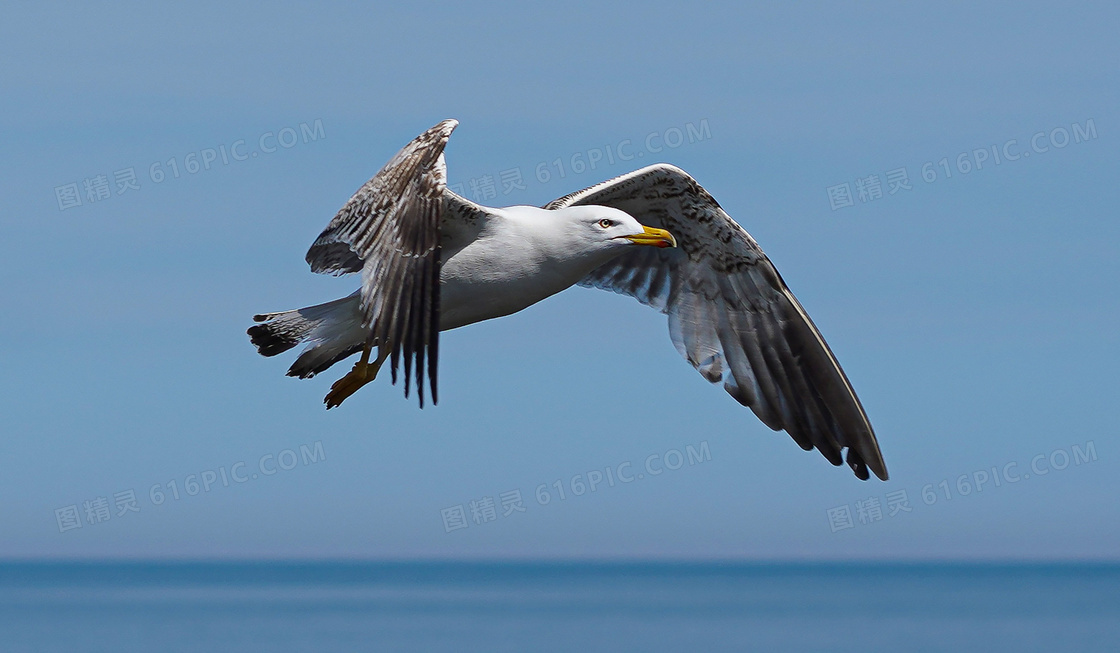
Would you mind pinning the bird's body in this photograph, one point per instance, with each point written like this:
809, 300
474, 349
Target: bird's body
431, 261
512, 260
519, 258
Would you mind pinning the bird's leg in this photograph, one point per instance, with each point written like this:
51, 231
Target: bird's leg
363, 373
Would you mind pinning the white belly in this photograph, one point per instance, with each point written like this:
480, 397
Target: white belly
475, 286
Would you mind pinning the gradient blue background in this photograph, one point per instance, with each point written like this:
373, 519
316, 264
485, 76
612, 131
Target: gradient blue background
975, 315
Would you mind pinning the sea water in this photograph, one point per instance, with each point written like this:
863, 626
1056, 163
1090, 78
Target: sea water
569, 606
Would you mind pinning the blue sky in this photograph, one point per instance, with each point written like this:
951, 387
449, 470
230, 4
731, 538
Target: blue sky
974, 311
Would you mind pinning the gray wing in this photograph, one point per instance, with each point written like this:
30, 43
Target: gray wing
731, 315
390, 232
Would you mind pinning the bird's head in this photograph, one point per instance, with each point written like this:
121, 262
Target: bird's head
577, 239
603, 227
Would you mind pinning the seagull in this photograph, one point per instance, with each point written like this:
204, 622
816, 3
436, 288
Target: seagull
431, 260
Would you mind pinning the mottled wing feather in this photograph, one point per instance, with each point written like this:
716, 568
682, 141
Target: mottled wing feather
731, 315
390, 232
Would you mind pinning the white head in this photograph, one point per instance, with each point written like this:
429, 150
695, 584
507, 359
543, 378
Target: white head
604, 230
574, 240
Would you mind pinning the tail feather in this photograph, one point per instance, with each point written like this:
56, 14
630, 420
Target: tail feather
332, 330
317, 358
280, 332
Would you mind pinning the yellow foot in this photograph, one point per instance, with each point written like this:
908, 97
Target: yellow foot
362, 374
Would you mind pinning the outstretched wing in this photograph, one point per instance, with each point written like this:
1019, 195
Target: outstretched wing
390, 231
731, 315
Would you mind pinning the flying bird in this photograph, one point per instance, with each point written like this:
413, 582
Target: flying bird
431, 260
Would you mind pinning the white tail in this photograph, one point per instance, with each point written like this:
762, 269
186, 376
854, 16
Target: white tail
332, 330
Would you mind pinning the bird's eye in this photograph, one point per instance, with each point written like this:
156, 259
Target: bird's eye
605, 223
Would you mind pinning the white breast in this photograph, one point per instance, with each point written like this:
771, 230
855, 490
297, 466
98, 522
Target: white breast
519, 259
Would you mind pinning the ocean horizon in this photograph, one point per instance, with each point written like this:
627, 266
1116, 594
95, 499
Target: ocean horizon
446, 605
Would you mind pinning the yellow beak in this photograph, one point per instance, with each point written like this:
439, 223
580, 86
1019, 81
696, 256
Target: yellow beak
653, 236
